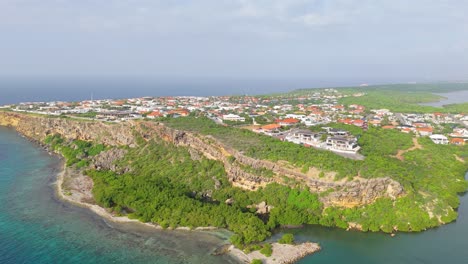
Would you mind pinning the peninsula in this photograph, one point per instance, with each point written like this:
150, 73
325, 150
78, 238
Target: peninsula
353, 158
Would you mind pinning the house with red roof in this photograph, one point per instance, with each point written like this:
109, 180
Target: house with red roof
287, 121
154, 114
457, 141
269, 129
424, 131
407, 130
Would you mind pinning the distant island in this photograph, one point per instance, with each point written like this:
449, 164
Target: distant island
369, 158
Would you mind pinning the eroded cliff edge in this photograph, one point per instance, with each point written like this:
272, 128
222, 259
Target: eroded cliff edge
239, 168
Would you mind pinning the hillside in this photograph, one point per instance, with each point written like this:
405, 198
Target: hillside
192, 172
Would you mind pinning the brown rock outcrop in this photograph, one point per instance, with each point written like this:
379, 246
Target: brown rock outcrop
106, 160
338, 193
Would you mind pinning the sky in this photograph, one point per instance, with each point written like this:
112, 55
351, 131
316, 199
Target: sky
342, 41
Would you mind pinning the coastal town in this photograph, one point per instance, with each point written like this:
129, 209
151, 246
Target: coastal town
301, 119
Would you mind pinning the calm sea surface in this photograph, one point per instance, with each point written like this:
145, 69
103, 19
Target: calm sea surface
15, 90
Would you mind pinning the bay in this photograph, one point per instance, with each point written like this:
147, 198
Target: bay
457, 97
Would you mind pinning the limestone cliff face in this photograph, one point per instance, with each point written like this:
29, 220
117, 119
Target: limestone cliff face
357, 192
38, 127
338, 193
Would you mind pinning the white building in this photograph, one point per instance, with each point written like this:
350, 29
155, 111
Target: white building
342, 144
439, 139
232, 117
304, 137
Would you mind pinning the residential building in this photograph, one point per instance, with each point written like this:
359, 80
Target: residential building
345, 144
439, 139
232, 117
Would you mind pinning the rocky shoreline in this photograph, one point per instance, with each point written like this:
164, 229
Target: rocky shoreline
78, 193
78, 189
282, 253
74, 187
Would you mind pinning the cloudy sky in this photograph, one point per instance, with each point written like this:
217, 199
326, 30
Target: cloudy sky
344, 40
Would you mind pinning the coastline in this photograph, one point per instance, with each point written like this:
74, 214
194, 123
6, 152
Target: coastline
282, 253
80, 195
100, 210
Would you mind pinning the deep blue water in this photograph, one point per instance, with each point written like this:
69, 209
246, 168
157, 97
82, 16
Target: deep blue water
36, 227
15, 90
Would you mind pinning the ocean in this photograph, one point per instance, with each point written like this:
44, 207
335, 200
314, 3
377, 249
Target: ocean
15, 90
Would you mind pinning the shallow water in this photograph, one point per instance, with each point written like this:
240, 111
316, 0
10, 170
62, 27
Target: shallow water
37, 227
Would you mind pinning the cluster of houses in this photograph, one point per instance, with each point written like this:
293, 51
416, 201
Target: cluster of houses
284, 116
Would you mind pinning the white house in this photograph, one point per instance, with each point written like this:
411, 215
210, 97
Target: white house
460, 132
342, 144
304, 137
232, 117
439, 139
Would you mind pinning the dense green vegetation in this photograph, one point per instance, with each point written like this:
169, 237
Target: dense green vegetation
420, 87
457, 108
397, 97
165, 185
405, 97
75, 151
287, 239
397, 101
432, 177
267, 250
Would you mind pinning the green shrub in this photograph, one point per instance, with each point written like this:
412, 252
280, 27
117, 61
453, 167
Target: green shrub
287, 239
267, 250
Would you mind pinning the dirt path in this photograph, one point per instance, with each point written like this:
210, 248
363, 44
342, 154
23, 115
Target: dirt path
400, 153
459, 159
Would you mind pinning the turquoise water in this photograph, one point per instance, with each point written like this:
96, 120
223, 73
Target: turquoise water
36, 227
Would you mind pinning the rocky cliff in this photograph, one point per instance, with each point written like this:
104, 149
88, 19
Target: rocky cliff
37, 127
239, 168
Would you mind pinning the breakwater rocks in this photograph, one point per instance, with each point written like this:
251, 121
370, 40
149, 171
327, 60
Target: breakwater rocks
241, 170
